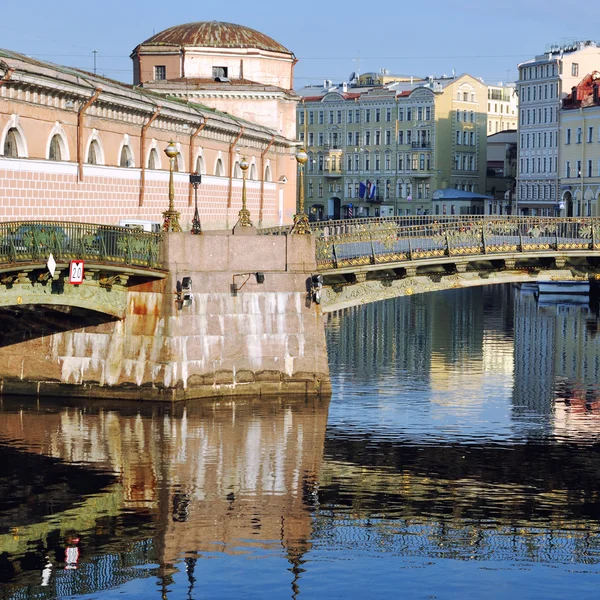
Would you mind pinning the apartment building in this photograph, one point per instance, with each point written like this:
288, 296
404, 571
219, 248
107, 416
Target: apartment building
579, 166
544, 81
384, 149
503, 107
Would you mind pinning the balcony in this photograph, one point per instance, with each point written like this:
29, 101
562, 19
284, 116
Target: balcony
422, 145
333, 146
331, 173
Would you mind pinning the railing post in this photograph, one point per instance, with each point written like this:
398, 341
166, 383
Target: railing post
556, 237
483, 238
409, 249
372, 248
334, 255
447, 244
520, 239
593, 236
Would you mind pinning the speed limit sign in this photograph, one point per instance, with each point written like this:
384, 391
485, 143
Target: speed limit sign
76, 272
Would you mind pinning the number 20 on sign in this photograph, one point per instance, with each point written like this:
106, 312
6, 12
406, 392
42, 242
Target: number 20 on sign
76, 272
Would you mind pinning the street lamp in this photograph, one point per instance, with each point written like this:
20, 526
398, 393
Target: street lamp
195, 180
244, 214
301, 218
171, 216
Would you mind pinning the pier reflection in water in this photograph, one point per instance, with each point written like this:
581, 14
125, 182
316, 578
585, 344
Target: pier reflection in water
458, 458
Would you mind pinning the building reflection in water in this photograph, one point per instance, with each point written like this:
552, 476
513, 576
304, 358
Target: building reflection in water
208, 478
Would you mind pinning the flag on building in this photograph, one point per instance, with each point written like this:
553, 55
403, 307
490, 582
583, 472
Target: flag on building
373, 190
368, 189
362, 190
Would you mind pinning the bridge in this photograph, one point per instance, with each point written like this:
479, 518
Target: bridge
114, 257
135, 328
366, 260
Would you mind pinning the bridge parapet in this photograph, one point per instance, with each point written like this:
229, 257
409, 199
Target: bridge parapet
32, 241
387, 242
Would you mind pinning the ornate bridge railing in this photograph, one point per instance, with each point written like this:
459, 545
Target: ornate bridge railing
30, 241
386, 242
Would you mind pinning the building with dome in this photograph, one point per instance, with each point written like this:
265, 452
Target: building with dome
228, 67
75, 146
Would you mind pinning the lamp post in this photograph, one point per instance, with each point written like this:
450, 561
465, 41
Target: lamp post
244, 214
171, 216
195, 180
301, 218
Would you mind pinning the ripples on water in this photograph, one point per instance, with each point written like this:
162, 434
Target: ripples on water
458, 458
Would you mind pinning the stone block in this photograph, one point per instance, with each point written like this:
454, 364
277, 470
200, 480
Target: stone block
223, 377
268, 376
244, 376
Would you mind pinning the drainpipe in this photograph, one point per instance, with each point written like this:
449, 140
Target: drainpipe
262, 178
191, 152
231, 147
7, 76
80, 115
143, 153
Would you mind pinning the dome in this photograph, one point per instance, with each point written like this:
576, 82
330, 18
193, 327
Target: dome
215, 34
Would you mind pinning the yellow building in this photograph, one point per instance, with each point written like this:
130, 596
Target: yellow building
579, 152
503, 108
384, 149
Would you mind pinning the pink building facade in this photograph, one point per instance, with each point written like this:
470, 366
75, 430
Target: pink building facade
77, 147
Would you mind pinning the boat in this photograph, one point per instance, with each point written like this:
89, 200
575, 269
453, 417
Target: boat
563, 287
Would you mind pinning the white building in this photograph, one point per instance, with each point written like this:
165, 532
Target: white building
543, 82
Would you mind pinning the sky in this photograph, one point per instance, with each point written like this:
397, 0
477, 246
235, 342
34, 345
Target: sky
330, 39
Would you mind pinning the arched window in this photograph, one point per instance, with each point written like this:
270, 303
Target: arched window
178, 166
94, 154
267, 173
200, 168
153, 159
55, 152
126, 159
11, 148
253, 172
219, 168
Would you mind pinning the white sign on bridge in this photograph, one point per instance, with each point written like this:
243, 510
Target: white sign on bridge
76, 272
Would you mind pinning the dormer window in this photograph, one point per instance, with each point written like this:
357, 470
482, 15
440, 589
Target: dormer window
219, 73
160, 72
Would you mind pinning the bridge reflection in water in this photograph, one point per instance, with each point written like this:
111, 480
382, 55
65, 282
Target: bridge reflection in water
164, 493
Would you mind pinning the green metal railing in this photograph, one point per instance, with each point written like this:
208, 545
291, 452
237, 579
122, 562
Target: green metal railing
387, 242
31, 241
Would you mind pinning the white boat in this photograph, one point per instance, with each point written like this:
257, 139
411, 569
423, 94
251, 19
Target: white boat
564, 287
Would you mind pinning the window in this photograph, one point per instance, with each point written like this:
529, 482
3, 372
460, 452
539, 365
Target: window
160, 72
93, 157
357, 115
568, 169
575, 69
388, 114
339, 116
320, 190
428, 113
377, 162
579, 135
377, 115
367, 115
408, 136
349, 190
377, 137
401, 137
349, 139
311, 118
589, 168
400, 114
11, 148
331, 117
590, 134
311, 138
321, 117
388, 161
472, 136
219, 72
320, 134
568, 140
55, 152
420, 113
409, 114
458, 115
357, 138
219, 168
367, 138
388, 137
349, 117
349, 162
301, 118
421, 162
400, 162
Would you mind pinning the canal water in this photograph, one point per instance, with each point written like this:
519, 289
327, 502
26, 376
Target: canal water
458, 457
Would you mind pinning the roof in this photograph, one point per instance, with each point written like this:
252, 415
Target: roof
215, 34
454, 194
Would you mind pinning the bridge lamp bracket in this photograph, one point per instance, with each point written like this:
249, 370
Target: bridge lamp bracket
235, 287
315, 284
183, 292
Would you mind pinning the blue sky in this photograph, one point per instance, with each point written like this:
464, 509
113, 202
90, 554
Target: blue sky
485, 39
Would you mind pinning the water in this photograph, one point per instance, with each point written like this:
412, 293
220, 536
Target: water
457, 458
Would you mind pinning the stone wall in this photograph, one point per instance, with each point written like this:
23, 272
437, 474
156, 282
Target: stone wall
267, 339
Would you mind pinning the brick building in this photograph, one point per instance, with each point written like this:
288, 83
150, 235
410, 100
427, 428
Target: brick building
76, 146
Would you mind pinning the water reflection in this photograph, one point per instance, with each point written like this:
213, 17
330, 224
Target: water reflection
209, 479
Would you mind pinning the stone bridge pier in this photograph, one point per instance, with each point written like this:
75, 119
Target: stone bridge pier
232, 317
